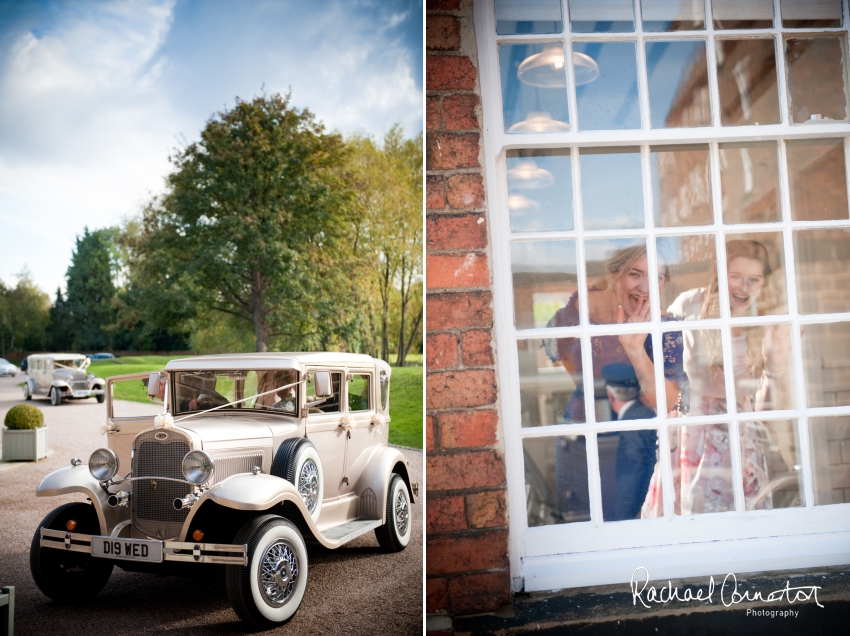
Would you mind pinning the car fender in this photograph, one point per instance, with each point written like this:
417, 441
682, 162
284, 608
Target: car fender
32, 385
258, 492
78, 479
61, 384
373, 484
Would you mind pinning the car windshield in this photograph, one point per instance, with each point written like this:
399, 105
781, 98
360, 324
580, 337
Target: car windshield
74, 364
4, 361
273, 391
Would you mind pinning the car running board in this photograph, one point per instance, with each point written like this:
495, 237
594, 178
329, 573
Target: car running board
351, 530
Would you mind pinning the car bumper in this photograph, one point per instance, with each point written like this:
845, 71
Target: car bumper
174, 551
86, 393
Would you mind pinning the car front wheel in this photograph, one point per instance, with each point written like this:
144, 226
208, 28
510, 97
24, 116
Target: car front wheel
55, 396
394, 535
68, 576
100, 398
269, 591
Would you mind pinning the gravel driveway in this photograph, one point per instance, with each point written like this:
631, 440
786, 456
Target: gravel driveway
355, 589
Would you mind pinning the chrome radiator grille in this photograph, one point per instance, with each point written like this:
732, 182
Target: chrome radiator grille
152, 503
79, 385
233, 464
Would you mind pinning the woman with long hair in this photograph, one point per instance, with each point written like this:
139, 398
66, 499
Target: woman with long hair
702, 460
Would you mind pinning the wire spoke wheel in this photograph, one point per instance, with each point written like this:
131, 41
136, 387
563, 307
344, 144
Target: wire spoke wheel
278, 572
308, 484
402, 511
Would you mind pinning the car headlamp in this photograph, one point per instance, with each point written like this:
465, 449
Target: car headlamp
103, 464
198, 467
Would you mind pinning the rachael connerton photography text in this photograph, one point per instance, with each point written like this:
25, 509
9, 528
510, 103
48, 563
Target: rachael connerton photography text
729, 594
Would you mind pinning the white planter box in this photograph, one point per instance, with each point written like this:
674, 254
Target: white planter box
26, 445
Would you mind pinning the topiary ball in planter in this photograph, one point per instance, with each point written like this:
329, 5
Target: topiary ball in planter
24, 416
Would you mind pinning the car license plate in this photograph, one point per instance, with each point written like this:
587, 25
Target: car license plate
126, 549
81, 393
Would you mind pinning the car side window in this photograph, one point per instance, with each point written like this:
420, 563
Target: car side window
330, 405
358, 392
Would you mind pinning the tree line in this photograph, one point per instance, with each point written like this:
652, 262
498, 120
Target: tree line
271, 234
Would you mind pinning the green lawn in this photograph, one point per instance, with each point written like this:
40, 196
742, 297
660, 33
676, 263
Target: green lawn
405, 393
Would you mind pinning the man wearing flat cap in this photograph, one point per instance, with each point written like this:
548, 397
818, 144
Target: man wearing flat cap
623, 493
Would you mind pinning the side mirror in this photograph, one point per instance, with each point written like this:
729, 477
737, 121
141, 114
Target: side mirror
322, 384
153, 384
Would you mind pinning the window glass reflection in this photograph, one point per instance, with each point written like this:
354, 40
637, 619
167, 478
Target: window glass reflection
816, 86
611, 203
626, 464
702, 469
816, 179
681, 186
829, 440
749, 256
822, 265
544, 275
826, 365
606, 85
746, 79
771, 465
749, 180
556, 480
692, 262
540, 190
678, 84
735, 14
528, 16
534, 81
673, 15
766, 382
807, 14
546, 385
601, 16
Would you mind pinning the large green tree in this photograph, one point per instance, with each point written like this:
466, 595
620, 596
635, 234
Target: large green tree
23, 315
256, 224
91, 289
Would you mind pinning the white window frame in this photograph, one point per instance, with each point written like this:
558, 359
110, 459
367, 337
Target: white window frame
592, 553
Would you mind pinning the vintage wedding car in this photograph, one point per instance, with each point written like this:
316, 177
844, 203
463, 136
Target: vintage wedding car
248, 456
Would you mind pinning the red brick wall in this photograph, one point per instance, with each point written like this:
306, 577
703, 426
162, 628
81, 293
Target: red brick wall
467, 545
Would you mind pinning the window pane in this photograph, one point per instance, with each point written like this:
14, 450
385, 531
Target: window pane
673, 15
528, 16
691, 269
771, 464
749, 181
681, 186
626, 464
829, 438
617, 387
606, 85
797, 14
702, 469
764, 369
534, 81
678, 84
540, 190
556, 480
817, 179
735, 14
547, 388
129, 397
611, 203
601, 16
702, 355
617, 267
822, 264
755, 269
358, 392
544, 277
746, 78
827, 368
816, 85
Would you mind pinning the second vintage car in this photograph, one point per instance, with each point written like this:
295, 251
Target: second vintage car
61, 376
252, 455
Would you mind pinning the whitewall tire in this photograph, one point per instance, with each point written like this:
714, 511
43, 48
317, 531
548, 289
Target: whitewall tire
269, 591
394, 535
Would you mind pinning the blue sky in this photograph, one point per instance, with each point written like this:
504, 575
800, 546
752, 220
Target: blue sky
95, 95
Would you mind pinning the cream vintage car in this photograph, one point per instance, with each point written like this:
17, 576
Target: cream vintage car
61, 376
248, 456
